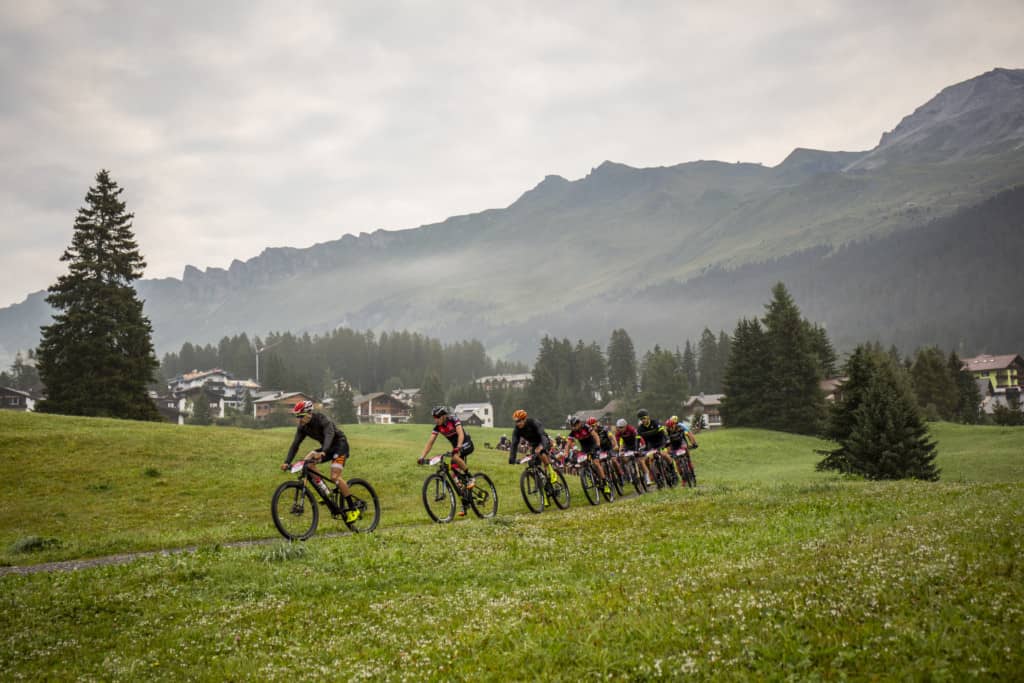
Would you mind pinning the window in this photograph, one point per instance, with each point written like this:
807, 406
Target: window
14, 400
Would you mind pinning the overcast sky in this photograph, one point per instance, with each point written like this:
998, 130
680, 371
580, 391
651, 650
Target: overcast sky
235, 126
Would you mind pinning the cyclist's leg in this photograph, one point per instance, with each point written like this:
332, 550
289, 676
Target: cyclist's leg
338, 460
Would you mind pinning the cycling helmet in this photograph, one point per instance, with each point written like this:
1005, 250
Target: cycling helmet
671, 422
438, 411
303, 408
621, 423
675, 418
573, 420
641, 414
519, 415
591, 421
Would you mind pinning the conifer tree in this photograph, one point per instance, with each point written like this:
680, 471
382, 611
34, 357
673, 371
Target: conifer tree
746, 377
690, 366
793, 391
934, 386
663, 386
97, 357
876, 423
431, 394
709, 381
968, 406
622, 371
343, 408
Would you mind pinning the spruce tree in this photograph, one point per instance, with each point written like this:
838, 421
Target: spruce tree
793, 391
968, 406
343, 408
622, 371
709, 380
97, 357
746, 377
933, 384
690, 366
663, 385
431, 394
876, 424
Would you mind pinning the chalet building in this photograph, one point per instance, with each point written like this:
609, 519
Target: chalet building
492, 382
268, 402
15, 399
832, 388
706, 408
469, 418
222, 390
1003, 372
606, 415
381, 408
484, 411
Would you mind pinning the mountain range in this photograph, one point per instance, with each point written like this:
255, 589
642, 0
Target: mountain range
868, 242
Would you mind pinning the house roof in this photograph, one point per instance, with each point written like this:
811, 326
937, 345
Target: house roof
472, 406
705, 400
19, 392
275, 396
363, 398
984, 363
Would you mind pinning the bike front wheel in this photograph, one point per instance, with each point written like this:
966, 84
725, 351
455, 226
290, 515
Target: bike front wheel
438, 499
560, 491
484, 497
368, 505
532, 488
589, 483
295, 511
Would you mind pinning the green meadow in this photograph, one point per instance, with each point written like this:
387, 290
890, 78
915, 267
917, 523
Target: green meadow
768, 570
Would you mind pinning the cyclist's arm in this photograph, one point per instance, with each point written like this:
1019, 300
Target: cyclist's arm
461, 437
328, 434
430, 444
299, 436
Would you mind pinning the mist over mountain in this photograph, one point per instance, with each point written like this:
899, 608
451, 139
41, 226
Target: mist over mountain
662, 251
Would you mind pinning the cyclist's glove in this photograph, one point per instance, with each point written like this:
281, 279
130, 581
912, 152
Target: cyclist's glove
420, 461
693, 445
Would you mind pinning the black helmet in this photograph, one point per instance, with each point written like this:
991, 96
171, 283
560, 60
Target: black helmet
438, 411
641, 414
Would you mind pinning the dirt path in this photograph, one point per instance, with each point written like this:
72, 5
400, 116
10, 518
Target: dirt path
74, 565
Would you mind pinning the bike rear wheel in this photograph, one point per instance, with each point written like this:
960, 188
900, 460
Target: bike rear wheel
295, 511
438, 499
589, 483
532, 488
484, 497
368, 505
691, 476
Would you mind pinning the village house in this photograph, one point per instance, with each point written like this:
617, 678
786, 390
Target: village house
705, 410
222, 390
381, 408
1002, 372
266, 403
15, 399
483, 411
515, 381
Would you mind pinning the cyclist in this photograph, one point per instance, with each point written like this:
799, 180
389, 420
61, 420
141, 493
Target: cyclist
607, 448
589, 443
679, 436
653, 434
531, 431
333, 446
626, 439
451, 428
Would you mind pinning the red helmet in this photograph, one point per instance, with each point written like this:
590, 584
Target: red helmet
591, 421
303, 408
671, 422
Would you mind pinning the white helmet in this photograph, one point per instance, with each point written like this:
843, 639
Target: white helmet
620, 423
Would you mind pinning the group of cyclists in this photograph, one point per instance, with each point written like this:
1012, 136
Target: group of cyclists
603, 446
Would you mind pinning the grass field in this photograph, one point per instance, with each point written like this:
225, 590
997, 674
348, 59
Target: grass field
769, 570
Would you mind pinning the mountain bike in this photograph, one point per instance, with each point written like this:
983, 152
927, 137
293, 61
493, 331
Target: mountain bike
296, 512
590, 480
611, 466
441, 488
538, 491
663, 474
681, 456
634, 473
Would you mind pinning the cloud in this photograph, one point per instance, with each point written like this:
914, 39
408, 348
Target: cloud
234, 126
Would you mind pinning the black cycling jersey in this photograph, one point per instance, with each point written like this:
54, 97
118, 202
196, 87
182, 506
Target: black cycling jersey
653, 434
322, 429
676, 436
533, 431
605, 438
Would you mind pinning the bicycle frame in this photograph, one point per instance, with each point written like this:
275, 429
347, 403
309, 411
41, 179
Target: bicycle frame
444, 468
307, 471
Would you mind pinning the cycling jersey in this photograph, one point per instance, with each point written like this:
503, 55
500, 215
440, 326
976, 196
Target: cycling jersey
533, 431
321, 428
449, 429
626, 438
585, 438
604, 438
677, 436
653, 434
